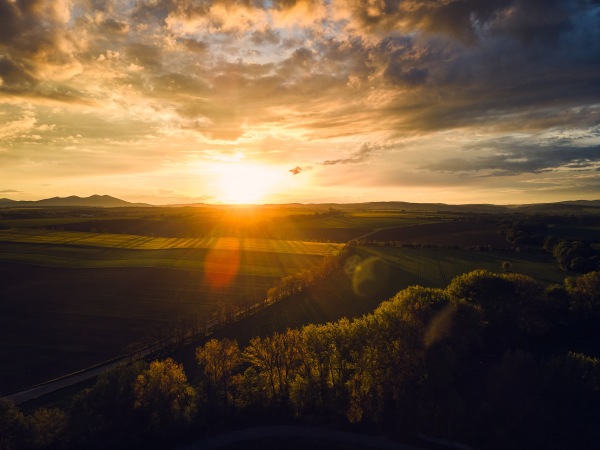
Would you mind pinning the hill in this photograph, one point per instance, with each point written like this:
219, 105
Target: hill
567, 207
98, 201
106, 201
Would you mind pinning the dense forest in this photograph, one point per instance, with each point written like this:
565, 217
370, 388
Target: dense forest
493, 360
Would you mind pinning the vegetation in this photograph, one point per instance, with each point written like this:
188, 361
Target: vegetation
493, 360
107, 301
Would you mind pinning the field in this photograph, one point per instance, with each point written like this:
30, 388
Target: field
280, 222
396, 268
447, 234
437, 267
69, 300
80, 286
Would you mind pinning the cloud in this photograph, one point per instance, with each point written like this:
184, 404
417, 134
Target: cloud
463, 20
312, 77
18, 127
265, 36
359, 156
517, 160
296, 170
35, 41
9, 191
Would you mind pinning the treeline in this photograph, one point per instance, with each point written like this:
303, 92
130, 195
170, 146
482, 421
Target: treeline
401, 244
494, 361
576, 255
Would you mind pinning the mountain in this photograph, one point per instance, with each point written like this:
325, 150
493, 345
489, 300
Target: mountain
6, 201
97, 201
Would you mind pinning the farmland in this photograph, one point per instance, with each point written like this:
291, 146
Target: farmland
281, 222
72, 299
342, 295
80, 286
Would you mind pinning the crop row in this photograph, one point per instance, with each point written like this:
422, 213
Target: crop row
157, 243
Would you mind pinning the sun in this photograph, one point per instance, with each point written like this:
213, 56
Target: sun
243, 183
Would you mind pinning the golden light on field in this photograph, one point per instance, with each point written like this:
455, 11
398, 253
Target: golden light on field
243, 183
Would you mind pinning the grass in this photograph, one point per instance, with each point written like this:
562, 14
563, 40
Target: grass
244, 262
437, 267
136, 242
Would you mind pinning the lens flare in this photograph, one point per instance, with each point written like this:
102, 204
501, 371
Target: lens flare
222, 266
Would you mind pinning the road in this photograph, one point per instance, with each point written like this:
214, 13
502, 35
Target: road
239, 436
71, 379
75, 378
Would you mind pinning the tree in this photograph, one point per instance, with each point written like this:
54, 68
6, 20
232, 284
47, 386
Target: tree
507, 302
311, 386
219, 359
511, 414
164, 397
276, 358
47, 427
12, 425
574, 255
105, 411
585, 294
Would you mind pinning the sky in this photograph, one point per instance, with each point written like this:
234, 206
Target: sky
312, 101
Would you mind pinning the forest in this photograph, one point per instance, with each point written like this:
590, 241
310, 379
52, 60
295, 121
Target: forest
493, 360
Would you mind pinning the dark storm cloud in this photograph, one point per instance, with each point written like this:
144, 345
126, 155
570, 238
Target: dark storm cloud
525, 159
510, 63
465, 19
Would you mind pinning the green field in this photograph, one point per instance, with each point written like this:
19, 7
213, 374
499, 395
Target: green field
135, 242
337, 296
243, 262
437, 267
69, 300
